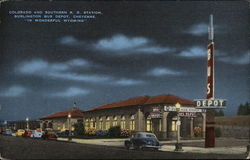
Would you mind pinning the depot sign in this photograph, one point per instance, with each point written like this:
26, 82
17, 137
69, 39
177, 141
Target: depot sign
210, 103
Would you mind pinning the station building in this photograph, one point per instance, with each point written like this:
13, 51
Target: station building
145, 114
60, 120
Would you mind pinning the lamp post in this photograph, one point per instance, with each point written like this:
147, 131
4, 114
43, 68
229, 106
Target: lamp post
178, 145
69, 126
27, 123
5, 124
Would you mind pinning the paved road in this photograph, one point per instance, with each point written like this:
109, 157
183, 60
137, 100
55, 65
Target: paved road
26, 148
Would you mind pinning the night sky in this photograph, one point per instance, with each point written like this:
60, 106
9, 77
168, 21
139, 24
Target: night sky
131, 49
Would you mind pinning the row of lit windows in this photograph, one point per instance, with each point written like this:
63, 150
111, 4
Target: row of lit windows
92, 123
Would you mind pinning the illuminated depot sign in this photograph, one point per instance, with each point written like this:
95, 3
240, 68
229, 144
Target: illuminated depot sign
210, 103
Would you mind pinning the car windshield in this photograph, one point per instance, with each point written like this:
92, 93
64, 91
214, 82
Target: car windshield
150, 136
145, 135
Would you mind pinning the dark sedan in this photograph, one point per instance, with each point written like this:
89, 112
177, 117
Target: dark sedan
143, 140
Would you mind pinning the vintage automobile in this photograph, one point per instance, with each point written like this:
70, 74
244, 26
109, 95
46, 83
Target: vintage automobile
20, 132
7, 132
36, 134
49, 135
27, 133
64, 133
142, 140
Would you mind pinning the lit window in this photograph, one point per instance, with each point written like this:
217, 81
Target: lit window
174, 125
87, 124
115, 121
100, 124
123, 122
91, 123
132, 123
160, 125
107, 123
149, 123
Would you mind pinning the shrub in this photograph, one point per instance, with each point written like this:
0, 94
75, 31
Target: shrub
125, 133
101, 133
114, 131
91, 131
79, 129
197, 131
217, 132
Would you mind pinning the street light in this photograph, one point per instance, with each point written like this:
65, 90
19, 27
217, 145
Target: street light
178, 145
5, 124
27, 123
69, 120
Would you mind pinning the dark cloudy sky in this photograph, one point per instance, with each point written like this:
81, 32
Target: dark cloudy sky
132, 49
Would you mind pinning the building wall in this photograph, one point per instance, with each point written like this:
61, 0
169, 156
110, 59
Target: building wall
118, 112
58, 123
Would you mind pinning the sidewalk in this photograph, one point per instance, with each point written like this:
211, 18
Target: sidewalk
216, 150
106, 142
188, 145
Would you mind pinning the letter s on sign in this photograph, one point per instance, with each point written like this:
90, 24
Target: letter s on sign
208, 54
208, 88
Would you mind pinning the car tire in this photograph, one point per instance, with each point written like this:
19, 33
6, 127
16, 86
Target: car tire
127, 146
131, 146
136, 147
140, 148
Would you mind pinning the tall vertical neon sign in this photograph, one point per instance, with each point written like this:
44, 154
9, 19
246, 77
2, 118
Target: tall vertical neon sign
210, 61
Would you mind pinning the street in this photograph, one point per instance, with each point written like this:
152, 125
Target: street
27, 148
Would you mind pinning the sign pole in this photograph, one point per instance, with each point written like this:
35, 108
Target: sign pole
210, 121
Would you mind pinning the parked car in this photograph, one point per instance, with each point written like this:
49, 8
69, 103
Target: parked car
13, 134
143, 140
36, 134
65, 133
48, 129
62, 134
27, 133
49, 135
7, 132
20, 132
